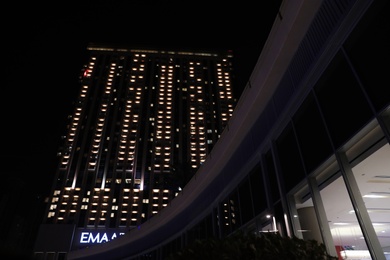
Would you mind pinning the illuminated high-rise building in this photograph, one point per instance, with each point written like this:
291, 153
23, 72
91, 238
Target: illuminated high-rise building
143, 123
305, 154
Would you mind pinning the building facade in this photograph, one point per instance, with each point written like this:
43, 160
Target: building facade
306, 152
144, 121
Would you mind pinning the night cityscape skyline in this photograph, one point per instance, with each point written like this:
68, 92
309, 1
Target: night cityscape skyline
303, 155
44, 60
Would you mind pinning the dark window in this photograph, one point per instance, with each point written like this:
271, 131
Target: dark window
258, 191
342, 102
290, 161
223, 218
246, 207
209, 232
271, 177
311, 134
368, 50
61, 256
234, 211
216, 223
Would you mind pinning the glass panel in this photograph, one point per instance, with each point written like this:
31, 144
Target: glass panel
308, 224
345, 229
245, 200
311, 134
50, 256
367, 45
258, 191
268, 224
39, 256
373, 178
233, 211
61, 256
290, 160
342, 102
271, 174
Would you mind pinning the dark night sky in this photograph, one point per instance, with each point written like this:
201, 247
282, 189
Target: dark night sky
45, 48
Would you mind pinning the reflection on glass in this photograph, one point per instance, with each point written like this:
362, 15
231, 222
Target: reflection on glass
345, 229
373, 178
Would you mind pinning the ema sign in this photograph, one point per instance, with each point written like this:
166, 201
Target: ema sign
85, 237
98, 237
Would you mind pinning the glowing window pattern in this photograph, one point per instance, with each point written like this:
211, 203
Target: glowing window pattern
120, 85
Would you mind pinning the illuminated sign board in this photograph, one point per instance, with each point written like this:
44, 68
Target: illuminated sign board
97, 237
88, 237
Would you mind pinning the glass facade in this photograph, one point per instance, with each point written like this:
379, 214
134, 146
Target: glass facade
325, 174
